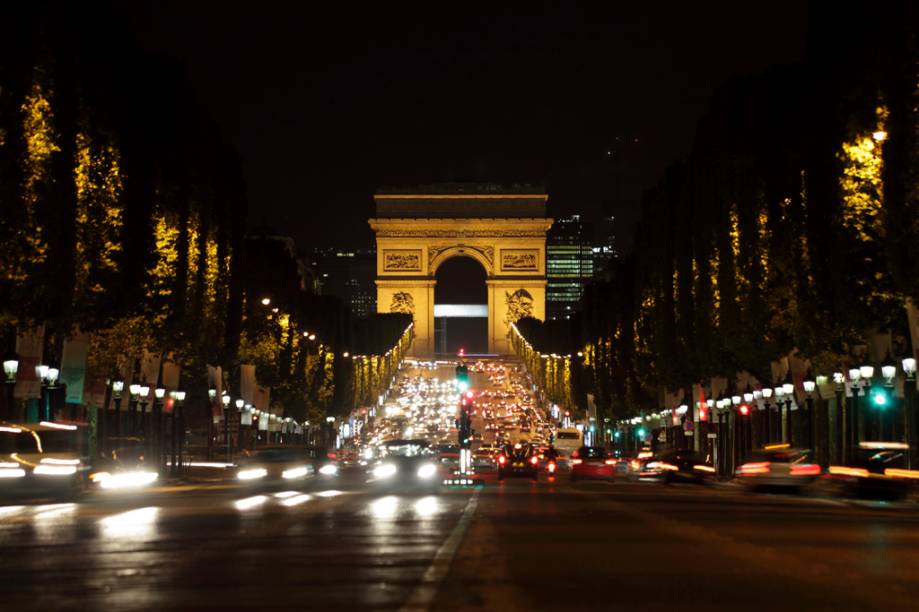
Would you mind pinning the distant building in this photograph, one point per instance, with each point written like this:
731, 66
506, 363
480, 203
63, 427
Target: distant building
569, 266
349, 275
604, 250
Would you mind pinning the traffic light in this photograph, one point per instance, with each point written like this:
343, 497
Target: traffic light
744, 410
880, 397
462, 377
703, 412
641, 433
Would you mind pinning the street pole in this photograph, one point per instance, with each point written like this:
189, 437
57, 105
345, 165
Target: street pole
909, 408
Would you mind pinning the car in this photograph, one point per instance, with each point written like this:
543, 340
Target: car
275, 465
447, 454
592, 462
45, 457
520, 459
678, 466
568, 440
778, 466
123, 467
406, 463
484, 457
879, 471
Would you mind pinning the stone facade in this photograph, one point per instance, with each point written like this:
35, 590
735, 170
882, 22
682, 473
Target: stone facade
512, 251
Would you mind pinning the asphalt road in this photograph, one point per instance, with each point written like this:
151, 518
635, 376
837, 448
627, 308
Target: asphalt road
512, 546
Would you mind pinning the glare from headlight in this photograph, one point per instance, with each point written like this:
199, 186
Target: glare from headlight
368, 454
328, 470
55, 470
252, 474
384, 471
124, 480
12, 473
427, 470
298, 472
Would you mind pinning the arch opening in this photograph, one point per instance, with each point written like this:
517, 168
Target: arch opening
460, 306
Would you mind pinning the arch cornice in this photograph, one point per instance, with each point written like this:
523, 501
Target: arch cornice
484, 255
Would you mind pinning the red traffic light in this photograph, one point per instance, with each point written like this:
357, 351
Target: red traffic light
744, 410
469, 394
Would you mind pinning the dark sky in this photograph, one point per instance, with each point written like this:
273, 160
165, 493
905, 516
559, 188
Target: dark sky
593, 100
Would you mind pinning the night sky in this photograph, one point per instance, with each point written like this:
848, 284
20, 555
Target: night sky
326, 104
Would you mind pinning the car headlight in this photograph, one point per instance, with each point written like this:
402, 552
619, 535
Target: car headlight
329, 469
384, 471
123, 480
297, 472
427, 470
55, 470
252, 474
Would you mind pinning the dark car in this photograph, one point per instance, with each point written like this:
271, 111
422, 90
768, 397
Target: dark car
123, 466
879, 471
406, 464
518, 460
274, 465
678, 466
592, 462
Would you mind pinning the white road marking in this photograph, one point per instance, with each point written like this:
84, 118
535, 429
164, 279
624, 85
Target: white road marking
423, 595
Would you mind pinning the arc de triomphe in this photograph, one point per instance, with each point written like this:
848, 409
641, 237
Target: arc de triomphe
503, 229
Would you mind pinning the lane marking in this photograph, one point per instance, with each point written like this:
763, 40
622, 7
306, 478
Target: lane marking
423, 595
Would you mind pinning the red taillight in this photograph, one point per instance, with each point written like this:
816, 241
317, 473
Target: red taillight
808, 469
551, 467
576, 461
760, 467
502, 459
534, 459
610, 462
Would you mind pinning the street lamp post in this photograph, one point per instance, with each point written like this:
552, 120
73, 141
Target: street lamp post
809, 387
888, 373
134, 390
767, 395
211, 404
145, 428
854, 377
117, 390
180, 434
240, 403
909, 407
157, 430
839, 379
789, 390
10, 368
225, 400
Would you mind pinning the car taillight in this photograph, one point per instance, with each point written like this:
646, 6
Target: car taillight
610, 462
502, 459
534, 459
841, 470
551, 467
760, 467
808, 469
576, 461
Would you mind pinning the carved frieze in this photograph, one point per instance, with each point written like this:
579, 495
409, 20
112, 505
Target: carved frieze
402, 260
519, 260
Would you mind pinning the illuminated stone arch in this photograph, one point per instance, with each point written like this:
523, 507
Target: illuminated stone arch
417, 230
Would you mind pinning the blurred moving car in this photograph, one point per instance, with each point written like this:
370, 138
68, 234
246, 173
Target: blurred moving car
592, 462
484, 457
778, 466
518, 460
878, 472
43, 457
678, 466
447, 454
275, 465
406, 464
123, 467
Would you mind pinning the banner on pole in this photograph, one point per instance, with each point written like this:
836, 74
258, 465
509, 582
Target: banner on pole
73, 366
29, 343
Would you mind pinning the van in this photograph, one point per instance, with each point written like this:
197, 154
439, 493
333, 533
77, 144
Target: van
567, 440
